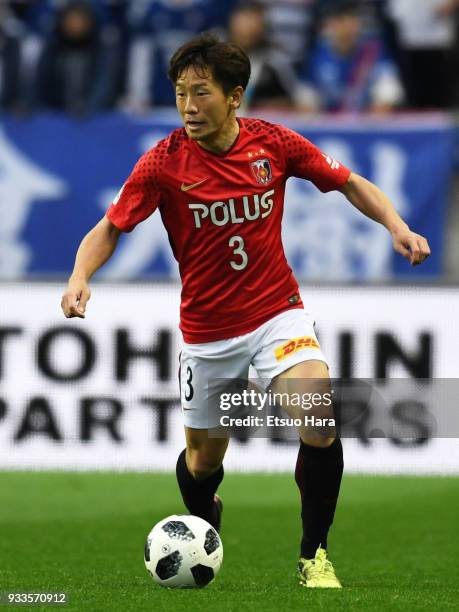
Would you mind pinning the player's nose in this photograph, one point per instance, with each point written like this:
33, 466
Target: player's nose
190, 105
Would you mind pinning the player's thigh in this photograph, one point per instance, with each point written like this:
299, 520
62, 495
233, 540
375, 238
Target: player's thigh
305, 394
307, 378
291, 359
287, 340
204, 453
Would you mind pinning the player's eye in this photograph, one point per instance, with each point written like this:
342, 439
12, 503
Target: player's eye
179, 94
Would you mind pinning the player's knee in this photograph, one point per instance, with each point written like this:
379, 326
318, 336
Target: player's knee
201, 465
318, 441
200, 471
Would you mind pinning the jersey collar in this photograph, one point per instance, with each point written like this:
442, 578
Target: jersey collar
205, 153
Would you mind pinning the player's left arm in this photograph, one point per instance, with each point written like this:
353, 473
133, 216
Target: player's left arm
374, 203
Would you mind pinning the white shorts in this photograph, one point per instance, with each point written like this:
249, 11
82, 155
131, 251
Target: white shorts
277, 345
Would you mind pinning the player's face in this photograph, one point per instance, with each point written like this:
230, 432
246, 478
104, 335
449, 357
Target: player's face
207, 112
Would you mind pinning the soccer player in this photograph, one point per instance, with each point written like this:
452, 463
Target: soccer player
219, 184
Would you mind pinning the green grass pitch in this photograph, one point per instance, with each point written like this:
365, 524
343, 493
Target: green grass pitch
395, 543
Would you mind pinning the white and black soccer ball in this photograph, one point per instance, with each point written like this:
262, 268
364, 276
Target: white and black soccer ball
183, 551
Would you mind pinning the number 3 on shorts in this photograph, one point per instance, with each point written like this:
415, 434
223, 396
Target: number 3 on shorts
189, 391
238, 242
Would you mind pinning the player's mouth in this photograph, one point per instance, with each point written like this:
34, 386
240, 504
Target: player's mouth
194, 125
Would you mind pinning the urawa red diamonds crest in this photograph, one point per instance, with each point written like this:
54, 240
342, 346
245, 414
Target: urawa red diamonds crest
261, 169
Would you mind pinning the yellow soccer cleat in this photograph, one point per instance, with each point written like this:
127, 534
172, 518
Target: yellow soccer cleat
318, 573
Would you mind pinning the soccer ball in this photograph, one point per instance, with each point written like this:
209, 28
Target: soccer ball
183, 551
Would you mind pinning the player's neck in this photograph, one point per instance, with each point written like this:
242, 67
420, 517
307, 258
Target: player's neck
223, 140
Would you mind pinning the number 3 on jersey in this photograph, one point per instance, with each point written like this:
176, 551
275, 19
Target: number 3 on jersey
237, 243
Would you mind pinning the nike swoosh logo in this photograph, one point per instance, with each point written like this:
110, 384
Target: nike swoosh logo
188, 187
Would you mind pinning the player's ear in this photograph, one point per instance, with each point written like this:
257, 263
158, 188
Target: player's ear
236, 97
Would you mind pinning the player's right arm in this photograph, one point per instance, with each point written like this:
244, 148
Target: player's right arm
95, 249
137, 199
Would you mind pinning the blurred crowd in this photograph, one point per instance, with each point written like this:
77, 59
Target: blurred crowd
82, 57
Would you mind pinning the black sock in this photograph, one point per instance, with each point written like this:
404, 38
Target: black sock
318, 475
198, 495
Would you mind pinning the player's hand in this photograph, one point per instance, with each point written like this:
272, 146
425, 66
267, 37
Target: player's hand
412, 246
74, 300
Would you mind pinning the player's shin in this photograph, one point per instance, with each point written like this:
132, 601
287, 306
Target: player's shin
318, 475
198, 495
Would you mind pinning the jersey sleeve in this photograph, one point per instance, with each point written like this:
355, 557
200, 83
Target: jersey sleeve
305, 160
139, 196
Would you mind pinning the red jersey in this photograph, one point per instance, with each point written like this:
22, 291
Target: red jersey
223, 214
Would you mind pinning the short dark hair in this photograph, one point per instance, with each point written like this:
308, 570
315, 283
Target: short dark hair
341, 8
228, 63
